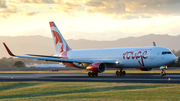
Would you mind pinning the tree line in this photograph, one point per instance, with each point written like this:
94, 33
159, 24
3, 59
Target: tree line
14, 62
177, 63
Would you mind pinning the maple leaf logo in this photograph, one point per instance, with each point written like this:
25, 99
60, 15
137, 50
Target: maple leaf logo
58, 39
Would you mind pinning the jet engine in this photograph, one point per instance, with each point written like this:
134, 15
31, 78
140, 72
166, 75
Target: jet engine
146, 69
97, 67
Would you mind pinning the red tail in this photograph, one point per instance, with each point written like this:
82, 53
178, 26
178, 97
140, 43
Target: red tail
60, 43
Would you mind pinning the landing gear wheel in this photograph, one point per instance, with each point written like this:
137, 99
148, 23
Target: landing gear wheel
96, 74
163, 73
89, 74
92, 74
117, 73
120, 72
123, 73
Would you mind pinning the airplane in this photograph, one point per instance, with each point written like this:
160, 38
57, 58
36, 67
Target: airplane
98, 60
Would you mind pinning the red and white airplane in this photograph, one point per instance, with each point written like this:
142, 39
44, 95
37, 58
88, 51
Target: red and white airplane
97, 60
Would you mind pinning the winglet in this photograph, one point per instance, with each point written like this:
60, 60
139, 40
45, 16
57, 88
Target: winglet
154, 44
10, 53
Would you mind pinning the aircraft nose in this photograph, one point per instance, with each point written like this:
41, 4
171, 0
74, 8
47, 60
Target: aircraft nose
173, 58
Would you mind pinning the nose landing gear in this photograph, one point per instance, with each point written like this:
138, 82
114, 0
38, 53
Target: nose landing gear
163, 73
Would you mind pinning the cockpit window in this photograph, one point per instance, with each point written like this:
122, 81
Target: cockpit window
163, 53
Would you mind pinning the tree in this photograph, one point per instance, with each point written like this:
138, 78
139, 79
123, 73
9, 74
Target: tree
19, 64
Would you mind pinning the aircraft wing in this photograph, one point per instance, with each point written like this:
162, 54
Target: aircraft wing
48, 56
60, 59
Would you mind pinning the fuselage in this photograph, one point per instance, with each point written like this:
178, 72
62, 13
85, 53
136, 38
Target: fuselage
142, 57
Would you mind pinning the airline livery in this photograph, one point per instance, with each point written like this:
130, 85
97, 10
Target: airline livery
97, 60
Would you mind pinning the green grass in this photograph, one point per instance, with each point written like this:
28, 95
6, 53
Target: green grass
44, 91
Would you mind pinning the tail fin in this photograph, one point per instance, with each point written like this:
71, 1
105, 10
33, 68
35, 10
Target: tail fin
60, 43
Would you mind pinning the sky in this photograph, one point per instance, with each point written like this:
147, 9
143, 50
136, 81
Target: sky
90, 19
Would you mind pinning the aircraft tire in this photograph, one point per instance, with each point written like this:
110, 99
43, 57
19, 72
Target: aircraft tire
117, 73
120, 73
163, 73
123, 73
89, 74
92, 74
96, 74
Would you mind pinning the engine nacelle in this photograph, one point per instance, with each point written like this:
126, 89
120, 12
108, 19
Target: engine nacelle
146, 69
97, 67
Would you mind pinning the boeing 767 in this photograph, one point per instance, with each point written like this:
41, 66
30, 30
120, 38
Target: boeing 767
97, 60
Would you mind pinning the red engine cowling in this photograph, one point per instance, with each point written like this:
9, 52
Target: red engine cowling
146, 69
97, 67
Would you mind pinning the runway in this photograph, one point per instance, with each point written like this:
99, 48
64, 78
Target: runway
82, 77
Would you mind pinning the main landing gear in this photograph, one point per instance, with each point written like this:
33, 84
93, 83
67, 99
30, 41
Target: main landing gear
120, 72
93, 74
163, 73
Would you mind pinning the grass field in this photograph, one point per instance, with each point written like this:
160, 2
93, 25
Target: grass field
88, 91
82, 91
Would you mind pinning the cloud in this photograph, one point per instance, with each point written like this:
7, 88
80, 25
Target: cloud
15, 10
133, 9
10, 9
116, 9
3, 4
59, 5
5, 13
35, 1
31, 13
67, 7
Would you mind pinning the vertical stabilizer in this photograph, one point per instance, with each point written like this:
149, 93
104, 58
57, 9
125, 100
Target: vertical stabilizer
59, 42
